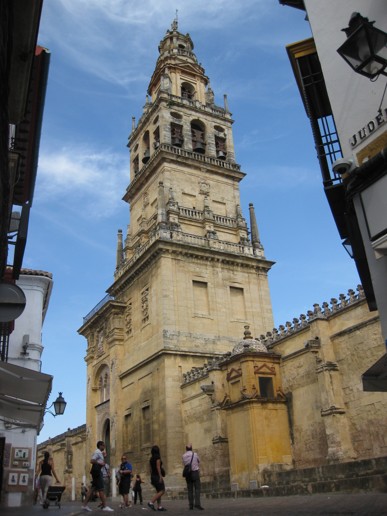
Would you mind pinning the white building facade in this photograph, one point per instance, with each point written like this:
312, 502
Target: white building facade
24, 391
348, 114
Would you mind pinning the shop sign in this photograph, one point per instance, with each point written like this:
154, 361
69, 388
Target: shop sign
365, 132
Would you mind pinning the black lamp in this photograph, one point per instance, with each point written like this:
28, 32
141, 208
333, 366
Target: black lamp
348, 247
365, 49
59, 406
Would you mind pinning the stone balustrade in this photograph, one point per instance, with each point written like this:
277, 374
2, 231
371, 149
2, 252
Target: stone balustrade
220, 220
245, 249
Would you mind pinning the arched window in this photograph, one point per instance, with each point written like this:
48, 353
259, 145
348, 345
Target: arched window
104, 384
146, 147
220, 147
136, 165
187, 91
156, 138
100, 389
220, 142
177, 138
198, 137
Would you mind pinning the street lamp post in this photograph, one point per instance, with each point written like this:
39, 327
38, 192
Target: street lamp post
59, 406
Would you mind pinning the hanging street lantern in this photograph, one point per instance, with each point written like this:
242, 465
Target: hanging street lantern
59, 406
365, 49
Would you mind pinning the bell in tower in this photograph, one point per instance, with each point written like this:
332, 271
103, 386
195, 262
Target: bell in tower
198, 138
146, 152
177, 135
220, 146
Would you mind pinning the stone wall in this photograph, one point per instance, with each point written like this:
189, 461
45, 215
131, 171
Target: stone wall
323, 356
336, 431
333, 419
68, 451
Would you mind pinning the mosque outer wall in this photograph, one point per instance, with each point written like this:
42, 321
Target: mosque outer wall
71, 465
329, 419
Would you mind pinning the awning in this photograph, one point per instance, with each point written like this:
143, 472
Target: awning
375, 378
23, 394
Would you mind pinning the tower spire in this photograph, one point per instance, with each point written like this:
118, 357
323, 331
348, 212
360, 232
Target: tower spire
254, 229
120, 252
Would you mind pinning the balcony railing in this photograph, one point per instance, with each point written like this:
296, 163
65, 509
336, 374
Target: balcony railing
97, 307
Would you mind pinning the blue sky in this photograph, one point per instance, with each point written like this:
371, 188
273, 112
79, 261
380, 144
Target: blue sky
103, 53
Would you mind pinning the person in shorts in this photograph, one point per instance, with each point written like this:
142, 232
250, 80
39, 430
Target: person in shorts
125, 474
97, 461
157, 480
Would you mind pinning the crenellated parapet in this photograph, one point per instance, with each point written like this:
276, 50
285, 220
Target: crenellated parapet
202, 372
323, 311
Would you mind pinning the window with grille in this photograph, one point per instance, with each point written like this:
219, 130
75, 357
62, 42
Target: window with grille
310, 79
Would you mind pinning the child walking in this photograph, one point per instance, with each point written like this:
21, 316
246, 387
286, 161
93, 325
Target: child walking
137, 489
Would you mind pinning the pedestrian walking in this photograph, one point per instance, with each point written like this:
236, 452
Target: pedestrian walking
47, 471
157, 480
97, 462
191, 462
137, 489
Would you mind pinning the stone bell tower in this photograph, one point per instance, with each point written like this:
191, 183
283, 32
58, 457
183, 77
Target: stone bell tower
189, 277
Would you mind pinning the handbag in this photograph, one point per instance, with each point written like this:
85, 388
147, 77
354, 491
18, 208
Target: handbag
187, 469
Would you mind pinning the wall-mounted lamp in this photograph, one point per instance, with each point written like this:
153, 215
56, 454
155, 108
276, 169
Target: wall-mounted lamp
348, 246
59, 406
365, 49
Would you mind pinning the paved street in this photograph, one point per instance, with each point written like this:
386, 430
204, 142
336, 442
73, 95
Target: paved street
320, 504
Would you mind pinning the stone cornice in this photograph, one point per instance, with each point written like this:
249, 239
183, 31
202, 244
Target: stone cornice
253, 401
161, 353
213, 253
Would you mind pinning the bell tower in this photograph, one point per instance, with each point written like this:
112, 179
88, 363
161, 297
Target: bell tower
182, 154
189, 276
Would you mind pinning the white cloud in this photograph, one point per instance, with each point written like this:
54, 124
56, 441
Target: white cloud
77, 176
112, 39
153, 12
